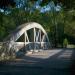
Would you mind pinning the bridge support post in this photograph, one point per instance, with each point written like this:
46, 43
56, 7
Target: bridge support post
25, 40
40, 39
34, 38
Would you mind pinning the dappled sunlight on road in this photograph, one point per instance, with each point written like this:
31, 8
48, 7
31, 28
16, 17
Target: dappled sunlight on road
66, 55
55, 58
44, 54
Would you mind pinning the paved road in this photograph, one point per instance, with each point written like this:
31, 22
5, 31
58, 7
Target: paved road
48, 62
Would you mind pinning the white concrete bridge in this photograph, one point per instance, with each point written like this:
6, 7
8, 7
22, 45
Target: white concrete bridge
29, 37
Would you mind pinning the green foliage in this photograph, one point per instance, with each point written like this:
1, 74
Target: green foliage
19, 16
69, 4
56, 21
7, 3
65, 42
6, 25
2, 32
57, 24
69, 27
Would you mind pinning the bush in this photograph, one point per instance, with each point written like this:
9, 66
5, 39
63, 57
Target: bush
65, 43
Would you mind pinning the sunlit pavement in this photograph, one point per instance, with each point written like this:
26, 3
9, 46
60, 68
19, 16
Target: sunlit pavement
52, 58
54, 62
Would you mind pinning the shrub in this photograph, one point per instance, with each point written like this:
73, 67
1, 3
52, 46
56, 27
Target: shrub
65, 42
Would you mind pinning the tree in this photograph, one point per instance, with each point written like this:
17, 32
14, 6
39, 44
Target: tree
69, 28
6, 3
65, 43
67, 4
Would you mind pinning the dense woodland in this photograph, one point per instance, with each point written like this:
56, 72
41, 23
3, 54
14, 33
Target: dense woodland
60, 25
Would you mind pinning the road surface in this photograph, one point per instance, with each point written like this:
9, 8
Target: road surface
47, 62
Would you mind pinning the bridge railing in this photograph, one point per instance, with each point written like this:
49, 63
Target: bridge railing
31, 45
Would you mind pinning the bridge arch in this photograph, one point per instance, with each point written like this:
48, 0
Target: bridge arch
40, 38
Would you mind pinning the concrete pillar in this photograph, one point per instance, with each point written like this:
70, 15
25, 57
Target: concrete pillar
40, 39
34, 38
25, 40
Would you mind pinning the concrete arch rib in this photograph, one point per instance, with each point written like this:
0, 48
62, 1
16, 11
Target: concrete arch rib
24, 27
12, 38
